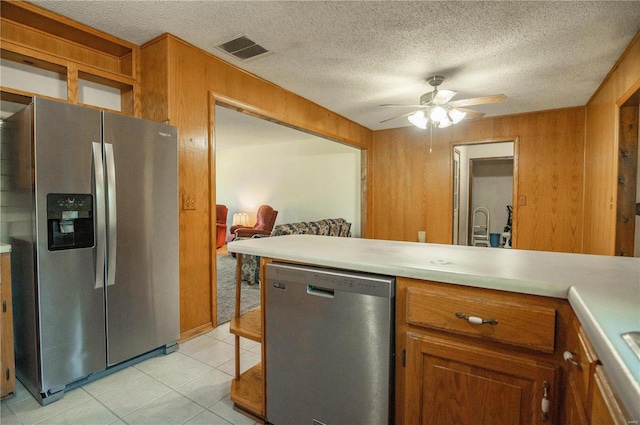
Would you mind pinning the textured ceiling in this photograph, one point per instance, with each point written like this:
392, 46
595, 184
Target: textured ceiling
351, 56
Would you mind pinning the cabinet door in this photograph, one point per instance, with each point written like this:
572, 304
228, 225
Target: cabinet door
7, 366
605, 409
574, 403
450, 382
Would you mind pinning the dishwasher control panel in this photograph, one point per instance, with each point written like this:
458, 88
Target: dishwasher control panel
329, 280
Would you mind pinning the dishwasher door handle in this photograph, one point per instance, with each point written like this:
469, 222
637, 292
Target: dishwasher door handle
320, 292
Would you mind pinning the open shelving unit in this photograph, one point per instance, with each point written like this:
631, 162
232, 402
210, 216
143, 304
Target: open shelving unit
248, 388
75, 55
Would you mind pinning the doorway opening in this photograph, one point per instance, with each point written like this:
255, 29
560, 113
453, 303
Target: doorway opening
483, 177
259, 160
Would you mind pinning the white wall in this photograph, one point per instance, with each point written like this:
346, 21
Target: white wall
31, 79
305, 180
467, 152
493, 189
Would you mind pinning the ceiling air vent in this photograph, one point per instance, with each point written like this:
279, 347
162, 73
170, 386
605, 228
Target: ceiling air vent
242, 48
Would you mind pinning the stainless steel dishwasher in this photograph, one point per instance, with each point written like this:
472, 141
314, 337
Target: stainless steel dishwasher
329, 346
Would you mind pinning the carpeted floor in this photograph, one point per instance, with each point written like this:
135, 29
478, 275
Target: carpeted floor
250, 294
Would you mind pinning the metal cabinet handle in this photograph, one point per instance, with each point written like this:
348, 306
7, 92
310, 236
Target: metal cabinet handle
476, 320
544, 405
568, 357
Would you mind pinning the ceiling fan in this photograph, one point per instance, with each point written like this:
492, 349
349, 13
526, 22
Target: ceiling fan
438, 109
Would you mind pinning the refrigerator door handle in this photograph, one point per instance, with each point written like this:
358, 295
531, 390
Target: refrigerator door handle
98, 175
112, 216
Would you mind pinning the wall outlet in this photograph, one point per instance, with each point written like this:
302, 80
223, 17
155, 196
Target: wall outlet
188, 202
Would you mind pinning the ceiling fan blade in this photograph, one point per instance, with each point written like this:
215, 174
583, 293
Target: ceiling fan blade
396, 117
478, 100
394, 105
471, 114
443, 96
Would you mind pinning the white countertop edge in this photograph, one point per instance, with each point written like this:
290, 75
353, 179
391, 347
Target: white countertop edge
616, 369
408, 270
5, 248
531, 281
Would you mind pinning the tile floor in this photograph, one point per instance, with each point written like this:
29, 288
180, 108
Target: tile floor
190, 386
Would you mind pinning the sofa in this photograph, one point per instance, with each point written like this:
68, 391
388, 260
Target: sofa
327, 227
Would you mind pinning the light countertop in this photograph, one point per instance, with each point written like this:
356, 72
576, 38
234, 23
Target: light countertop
4, 248
604, 291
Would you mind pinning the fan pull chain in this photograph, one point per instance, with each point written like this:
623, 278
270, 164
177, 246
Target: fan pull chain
430, 139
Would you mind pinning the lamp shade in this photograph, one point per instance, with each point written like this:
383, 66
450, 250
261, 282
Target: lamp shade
418, 119
438, 114
240, 219
456, 115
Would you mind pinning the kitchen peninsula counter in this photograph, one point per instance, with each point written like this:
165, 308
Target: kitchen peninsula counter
604, 291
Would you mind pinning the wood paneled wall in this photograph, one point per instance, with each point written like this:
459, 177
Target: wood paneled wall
601, 151
412, 187
178, 83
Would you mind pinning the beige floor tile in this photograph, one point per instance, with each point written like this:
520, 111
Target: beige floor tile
247, 360
29, 411
133, 395
7, 417
19, 394
247, 344
89, 412
208, 389
158, 362
207, 418
180, 372
224, 409
231, 339
220, 333
172, 408
215, 355
257, 349
196, 344
113, 381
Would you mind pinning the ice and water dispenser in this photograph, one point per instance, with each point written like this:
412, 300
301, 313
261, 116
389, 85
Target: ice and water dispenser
69, 221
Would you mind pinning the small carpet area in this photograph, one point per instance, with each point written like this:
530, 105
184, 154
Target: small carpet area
226, 274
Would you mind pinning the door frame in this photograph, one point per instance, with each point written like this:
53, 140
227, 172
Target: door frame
516, 149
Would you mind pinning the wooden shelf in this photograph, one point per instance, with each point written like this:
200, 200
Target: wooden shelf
39, 28
248, 325
247, 391
40, 39
248, 388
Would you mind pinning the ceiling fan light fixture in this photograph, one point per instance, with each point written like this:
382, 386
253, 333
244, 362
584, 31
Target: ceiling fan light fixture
456, 115
444, 123
438, 114
419, 119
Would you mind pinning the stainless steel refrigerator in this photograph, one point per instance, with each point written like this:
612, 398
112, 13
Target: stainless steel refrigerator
91, 213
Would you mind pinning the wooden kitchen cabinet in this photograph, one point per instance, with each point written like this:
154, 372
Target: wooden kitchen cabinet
449, 382
580, 363
7, 361
588, 397
604, 407
452, 370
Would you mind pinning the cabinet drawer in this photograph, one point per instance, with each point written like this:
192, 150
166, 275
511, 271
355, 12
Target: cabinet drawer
515, 322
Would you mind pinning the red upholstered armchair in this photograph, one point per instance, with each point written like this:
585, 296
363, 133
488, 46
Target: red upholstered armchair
265, 220
221, 224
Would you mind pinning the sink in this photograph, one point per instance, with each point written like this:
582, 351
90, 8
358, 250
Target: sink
633, 340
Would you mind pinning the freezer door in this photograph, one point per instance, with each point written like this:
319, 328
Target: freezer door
142, 249
70, 318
